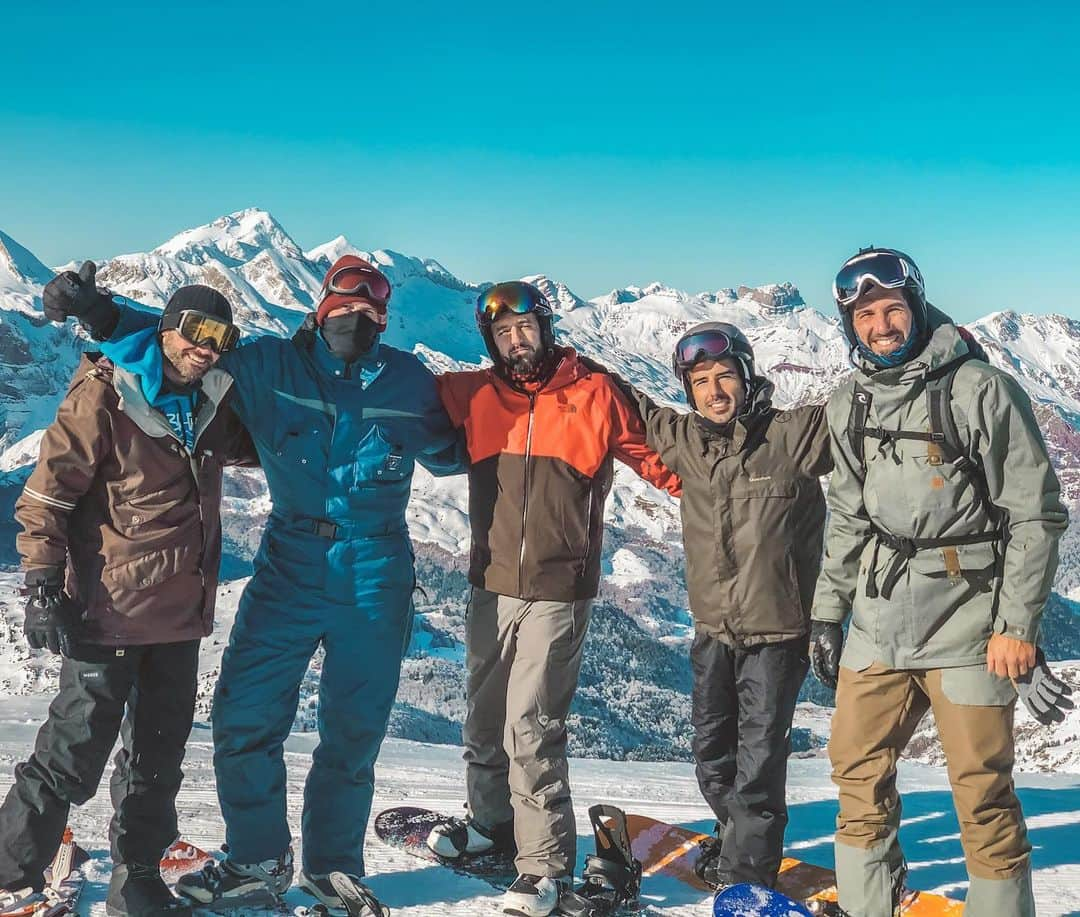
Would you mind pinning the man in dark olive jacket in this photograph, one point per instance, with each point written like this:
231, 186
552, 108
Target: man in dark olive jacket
753, 516
121, 541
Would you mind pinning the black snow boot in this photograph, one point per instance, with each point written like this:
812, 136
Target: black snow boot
136, 890
708, 865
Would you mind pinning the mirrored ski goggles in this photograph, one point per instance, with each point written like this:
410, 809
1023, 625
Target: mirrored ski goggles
514, 296
705, 345
883, 268
203, 330
359, 280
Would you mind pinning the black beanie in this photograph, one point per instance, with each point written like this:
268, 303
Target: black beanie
199, 298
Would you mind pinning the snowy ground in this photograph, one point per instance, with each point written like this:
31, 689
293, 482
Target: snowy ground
431, 775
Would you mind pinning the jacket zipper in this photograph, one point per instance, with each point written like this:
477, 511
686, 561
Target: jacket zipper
525, 501
588, 531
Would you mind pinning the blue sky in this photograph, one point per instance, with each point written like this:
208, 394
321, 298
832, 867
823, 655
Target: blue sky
602, 143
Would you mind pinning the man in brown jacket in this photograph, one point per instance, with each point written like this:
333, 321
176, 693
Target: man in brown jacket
753, 518
121, 543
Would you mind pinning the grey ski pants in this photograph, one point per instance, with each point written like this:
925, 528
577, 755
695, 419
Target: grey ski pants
523, 660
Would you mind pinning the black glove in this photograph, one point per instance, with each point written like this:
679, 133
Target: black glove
74, 294
51, 615
826, 641
1043, 693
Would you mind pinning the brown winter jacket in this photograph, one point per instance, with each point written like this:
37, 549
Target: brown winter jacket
540, 469
117, 499
753, 512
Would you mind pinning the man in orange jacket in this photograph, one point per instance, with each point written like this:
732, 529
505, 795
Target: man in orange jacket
542, 431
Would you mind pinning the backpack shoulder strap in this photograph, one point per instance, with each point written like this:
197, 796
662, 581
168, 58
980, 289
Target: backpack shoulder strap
946, 434
861, 400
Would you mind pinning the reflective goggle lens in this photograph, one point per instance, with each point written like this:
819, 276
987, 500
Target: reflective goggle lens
700, 346
356, 280
205, 331
883, 268
514, 296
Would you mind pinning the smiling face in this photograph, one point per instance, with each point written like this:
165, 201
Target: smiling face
518, 341
718, 390
882, 320
185, 362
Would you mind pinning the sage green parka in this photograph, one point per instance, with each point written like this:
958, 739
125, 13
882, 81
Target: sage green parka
943, 608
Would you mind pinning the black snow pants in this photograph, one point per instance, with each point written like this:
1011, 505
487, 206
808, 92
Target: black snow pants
156, 684
743, 702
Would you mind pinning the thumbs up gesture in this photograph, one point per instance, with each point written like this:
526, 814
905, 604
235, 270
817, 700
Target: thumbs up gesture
69, 293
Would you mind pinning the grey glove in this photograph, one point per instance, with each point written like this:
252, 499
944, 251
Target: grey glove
51, 616
826, 642
1043, 693
74, 294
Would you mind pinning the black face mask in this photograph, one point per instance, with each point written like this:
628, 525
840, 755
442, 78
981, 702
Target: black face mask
350, 336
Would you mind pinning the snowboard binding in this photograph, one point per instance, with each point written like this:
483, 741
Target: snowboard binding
612, 877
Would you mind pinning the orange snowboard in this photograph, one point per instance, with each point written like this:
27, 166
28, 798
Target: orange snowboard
672, 851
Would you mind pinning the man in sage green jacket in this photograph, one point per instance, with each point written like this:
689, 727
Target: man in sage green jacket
942, 546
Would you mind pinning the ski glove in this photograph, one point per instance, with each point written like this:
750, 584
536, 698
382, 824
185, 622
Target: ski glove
74, 294
1043, 693
826, 641
51, 615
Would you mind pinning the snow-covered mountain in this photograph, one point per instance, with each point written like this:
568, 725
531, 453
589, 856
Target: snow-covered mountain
633, 700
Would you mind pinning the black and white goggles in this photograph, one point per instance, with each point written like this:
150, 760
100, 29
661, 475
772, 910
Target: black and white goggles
202, 330
888, 269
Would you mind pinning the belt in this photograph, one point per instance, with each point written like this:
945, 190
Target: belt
907, 548
337, 531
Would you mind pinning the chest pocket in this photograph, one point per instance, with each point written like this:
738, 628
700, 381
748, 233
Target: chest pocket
302, 446
158, 509
380, 461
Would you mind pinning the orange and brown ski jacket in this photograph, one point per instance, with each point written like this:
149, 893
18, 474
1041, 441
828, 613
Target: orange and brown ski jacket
540, 468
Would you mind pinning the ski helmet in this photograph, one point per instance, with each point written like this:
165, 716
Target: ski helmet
887, 268
713, 341
513, 296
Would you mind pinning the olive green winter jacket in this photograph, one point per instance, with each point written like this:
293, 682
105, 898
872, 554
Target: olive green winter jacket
946, 601
753, 514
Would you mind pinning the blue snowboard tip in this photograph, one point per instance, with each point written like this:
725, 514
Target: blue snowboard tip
746, 900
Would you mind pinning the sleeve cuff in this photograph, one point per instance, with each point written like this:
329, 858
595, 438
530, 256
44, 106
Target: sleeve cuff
1028, 631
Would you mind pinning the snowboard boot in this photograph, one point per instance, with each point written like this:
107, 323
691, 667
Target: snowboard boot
343, 892
227, 885
535, 896
460, 837
137, 890
708, 867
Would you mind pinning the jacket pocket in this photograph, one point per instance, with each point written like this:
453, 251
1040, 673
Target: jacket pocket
155, 507
151, 569
378, 461
973, 686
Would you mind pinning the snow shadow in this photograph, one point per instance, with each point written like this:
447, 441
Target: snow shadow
929, 834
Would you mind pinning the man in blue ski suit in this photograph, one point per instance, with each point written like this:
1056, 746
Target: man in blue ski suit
338, 420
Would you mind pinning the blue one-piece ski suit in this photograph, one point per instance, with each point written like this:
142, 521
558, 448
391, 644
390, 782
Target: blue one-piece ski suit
335, 567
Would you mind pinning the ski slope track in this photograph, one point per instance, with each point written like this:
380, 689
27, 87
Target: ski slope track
630, 718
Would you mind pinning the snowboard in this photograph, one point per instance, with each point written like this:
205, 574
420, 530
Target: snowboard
180, 859
672, 851
746, 900
408, 827
64, 880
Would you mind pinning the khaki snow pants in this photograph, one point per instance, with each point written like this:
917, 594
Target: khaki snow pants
877, 711
523, 660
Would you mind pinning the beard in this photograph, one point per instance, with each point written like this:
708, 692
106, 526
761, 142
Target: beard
189, 369
525, 361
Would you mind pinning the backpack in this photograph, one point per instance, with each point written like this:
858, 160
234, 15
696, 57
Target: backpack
944, 445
